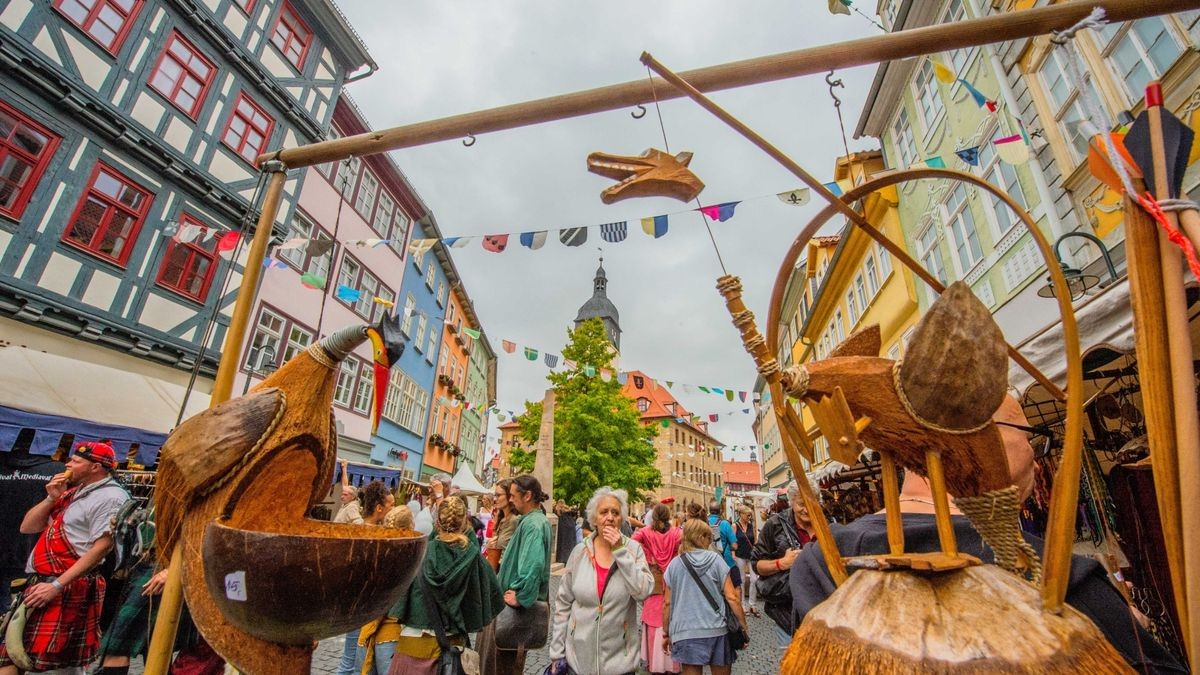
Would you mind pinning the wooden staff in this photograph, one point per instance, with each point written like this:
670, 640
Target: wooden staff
875, 49
162, 641
1184, 551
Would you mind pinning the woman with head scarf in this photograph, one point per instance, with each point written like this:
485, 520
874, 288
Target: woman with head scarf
660, 541
597, 600
454, 585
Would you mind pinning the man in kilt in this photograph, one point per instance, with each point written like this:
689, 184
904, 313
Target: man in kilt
65, 594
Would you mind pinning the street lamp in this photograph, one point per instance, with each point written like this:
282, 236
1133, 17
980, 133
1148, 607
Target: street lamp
1077, 282
262, 360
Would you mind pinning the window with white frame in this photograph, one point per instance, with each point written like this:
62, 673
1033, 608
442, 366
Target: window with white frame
1140, 51
927, 252
400, 226
298, 340
1004, 176
343, 390
838, 328
902, 137
894, 352
268, 334
872, 275
347, 171
860, 288
365, 392
410, 307
963, 234
925, 93
1065, 103
368, 190
419, 337
382, 222
431, 347
959, 58
368, 288
852, 307
441, 295
885, 260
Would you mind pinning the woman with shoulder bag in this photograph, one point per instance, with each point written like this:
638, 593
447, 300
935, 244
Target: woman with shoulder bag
660, 541
699, 630
605, 578
456, 593
525, 583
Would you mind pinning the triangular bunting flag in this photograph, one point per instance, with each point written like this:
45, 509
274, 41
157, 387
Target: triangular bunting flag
943, 73
573, 236
716, 390
728, 394
228, 241
969, 155
935, 163
319, 247
704, 389
507, 346
719, 212
797, 197
496, 243
742, 396
533, 240
614, 233
531, 353
839, 7
980, 100
457, 242
670, 384
655, 227
471, 332
713, 417
189, 232
386, 303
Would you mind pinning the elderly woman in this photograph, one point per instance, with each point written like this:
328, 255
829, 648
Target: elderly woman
605, 578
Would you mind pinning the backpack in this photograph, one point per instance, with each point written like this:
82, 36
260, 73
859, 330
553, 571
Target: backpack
133, 538
718, 545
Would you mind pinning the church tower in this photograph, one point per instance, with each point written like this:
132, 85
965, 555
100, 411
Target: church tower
600, 307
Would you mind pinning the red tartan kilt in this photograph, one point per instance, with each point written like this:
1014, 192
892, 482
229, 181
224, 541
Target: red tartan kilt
66, 632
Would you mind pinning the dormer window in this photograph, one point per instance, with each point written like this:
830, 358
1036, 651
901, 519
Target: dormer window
643, 404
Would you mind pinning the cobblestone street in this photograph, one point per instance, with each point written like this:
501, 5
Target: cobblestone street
760, 658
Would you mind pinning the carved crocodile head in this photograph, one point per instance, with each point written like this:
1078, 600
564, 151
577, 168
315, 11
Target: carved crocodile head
654, 173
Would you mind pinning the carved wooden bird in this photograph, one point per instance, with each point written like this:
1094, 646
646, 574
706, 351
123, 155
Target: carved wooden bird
654, 173
941, 396
262, 580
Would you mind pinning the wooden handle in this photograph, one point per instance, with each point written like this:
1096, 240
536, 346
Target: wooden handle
891, 503
941, 502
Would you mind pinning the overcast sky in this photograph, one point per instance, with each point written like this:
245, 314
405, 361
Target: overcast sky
449, 57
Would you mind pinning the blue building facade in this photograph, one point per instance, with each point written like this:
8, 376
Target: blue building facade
128, 133
422, 300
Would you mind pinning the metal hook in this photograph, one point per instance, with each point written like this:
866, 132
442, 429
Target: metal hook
834, 83
471, 141
638, 116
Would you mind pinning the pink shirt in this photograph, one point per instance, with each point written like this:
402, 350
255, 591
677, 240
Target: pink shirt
660, 549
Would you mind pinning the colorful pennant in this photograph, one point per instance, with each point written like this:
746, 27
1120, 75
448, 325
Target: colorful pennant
655, 227
719, 212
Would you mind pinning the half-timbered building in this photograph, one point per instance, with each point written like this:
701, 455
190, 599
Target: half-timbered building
128, 136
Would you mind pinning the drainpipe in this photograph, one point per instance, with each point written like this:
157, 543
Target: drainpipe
1010, 101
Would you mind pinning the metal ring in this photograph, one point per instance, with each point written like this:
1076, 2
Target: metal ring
470, 141
638, 116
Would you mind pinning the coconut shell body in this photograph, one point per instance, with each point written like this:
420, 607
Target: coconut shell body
976, 620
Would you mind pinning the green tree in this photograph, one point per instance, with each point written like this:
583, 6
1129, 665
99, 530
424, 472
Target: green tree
598, 435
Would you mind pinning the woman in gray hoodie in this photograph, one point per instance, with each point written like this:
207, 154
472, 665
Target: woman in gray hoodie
595, 611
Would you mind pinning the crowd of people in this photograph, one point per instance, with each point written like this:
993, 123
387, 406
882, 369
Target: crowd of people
666, 593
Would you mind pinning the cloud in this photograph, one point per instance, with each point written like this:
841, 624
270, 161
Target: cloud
451, 57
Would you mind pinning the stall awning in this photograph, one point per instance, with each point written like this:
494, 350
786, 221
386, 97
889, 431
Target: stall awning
89, 400
361, 474
1105, 322
465, 482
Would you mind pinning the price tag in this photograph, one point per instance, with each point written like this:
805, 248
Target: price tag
235, 586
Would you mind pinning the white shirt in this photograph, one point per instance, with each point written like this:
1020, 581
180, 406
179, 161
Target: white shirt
90, 515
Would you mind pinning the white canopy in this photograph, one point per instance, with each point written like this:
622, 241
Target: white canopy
49, 384
465, 482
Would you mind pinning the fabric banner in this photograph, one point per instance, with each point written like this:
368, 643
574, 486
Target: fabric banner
348, 294
573, 236
531, 354
319, 247
471, 331
457, 242
496, 243
1012, 149
551, 360
834, 188
655, 227
935, 163
943, 73
798, 197
719, 212
187, 233
295, 242
614, 233
980, 100
312, 280
508, 347
418, 247
533, 240
839, 7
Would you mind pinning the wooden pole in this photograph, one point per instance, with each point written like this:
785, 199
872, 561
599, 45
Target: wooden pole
941, 503
864, 51
891, 503
162, 641
1185, 570
840, 206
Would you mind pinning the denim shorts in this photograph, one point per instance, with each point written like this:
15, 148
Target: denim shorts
713, 651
